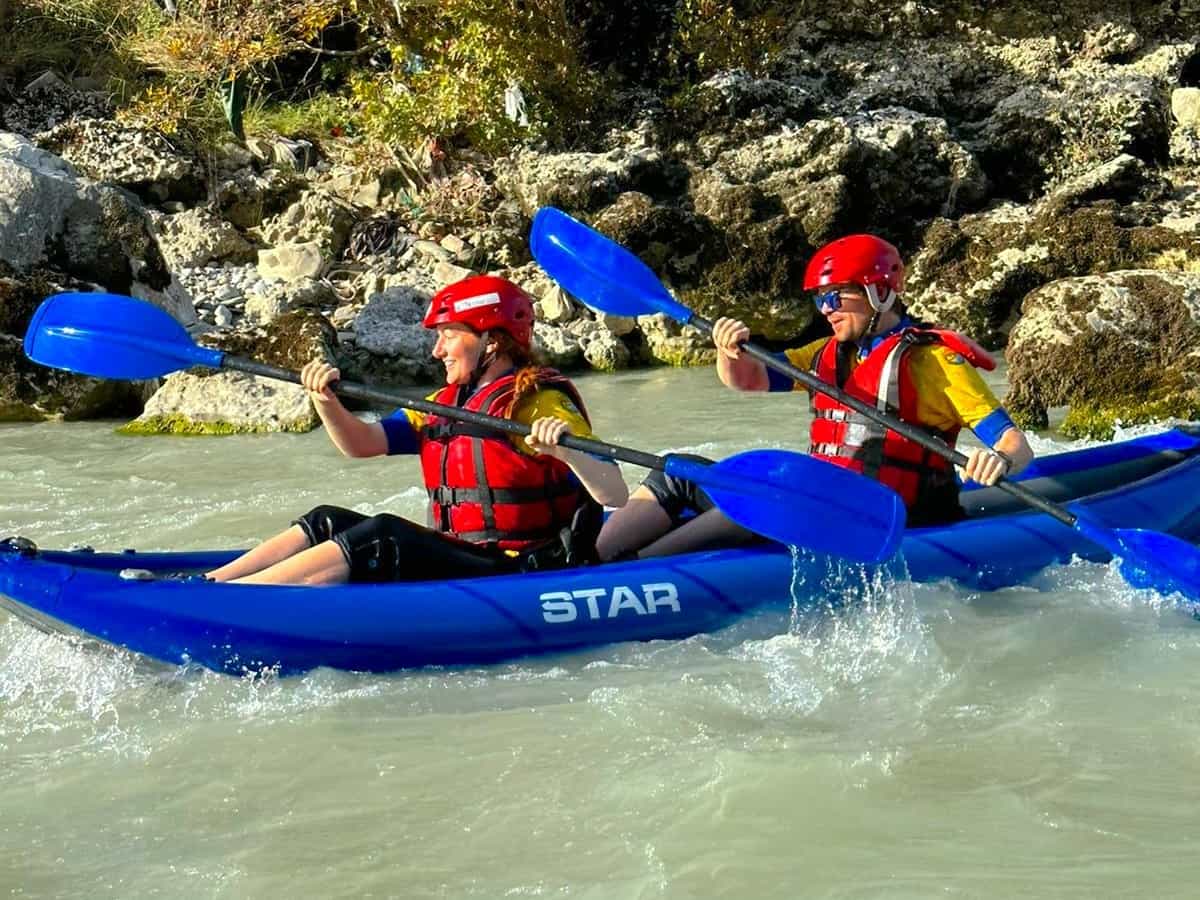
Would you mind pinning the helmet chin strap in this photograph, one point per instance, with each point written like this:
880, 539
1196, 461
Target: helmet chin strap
880, 306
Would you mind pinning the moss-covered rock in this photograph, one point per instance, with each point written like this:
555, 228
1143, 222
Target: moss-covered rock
676, 243
179, 425
29, 392
972, 274
1098, 421
1124, 346
206, 402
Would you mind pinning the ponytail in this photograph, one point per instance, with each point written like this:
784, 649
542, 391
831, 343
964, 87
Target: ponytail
528, 369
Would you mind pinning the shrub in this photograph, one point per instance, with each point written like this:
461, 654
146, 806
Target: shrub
452, 67
715, 35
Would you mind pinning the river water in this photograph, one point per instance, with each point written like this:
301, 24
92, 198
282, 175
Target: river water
925, 741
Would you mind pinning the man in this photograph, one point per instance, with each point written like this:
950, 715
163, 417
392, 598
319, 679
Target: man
878, 354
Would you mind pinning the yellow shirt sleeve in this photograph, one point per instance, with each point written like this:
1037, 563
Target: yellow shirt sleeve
549, 402
417, 419
802, 358
950, 391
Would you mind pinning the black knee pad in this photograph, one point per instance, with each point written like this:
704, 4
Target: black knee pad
380, 548
323, 523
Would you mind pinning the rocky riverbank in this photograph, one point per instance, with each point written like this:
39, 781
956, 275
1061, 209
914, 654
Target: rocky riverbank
1042, 177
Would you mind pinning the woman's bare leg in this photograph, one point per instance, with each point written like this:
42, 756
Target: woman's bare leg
709, 530
322, 564
268, 553
633, 526
643, 525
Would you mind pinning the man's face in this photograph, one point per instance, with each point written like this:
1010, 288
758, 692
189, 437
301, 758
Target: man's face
853, 315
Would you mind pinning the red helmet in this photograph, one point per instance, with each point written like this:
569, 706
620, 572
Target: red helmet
484, 303
859, 259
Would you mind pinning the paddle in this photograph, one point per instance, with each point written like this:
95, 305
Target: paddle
110, 336
603, 274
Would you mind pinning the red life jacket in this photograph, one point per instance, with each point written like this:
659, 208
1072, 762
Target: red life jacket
483, 489
849, 439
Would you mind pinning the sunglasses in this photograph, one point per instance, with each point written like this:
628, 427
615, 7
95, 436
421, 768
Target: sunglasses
831, 300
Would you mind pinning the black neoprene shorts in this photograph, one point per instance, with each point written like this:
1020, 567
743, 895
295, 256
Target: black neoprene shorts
391, 548
679, 499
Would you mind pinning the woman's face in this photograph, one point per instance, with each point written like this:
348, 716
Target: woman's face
459, 348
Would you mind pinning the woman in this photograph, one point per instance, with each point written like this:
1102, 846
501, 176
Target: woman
498, 503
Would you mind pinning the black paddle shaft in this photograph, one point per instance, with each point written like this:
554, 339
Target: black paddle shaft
420, 404
928, 441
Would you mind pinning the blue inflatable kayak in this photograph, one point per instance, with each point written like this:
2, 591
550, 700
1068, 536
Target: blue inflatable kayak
1150, 482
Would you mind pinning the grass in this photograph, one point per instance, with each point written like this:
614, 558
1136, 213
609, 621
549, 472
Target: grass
315, 118
74, 39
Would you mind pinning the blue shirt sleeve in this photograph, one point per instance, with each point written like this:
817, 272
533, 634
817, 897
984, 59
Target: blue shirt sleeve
777, 381
993, 425
401, 436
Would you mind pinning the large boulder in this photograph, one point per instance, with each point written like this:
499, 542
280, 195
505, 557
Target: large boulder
59, 231
581, 182
318, 218
197, 237
883, 170
30, 393
1120, 347
54, 218
392, 346
137, 159
972, 274
230, 402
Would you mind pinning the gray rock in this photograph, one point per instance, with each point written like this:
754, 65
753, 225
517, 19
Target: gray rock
266, 307
556, 346
317, 218
1123, 346
197, 237
88, 231
140, 160
291, 262
225, 403
389, 327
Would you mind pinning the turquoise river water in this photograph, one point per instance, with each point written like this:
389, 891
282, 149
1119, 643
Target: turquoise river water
1041, 741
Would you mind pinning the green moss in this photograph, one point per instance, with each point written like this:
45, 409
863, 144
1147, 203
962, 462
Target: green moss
178, 425
1098, 421
682, 357
19, 412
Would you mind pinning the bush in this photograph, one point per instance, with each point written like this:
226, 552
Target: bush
458, 66
715, 35
479, 72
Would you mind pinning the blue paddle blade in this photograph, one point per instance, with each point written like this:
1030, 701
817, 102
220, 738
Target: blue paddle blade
598, 270
110, 336
798, 500
1149, 559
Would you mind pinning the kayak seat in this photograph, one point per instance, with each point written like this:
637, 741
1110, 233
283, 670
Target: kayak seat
1065, 486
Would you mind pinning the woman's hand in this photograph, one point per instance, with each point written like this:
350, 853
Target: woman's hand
544, 435
317, 376
985, 466
728, 335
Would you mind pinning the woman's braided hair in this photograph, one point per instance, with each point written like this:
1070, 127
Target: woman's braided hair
528, 368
